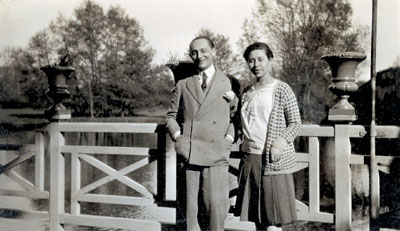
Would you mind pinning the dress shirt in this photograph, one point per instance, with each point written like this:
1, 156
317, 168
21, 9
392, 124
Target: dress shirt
210, 74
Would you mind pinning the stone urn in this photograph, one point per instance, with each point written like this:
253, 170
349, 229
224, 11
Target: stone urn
343, 67
57, 76
181, 70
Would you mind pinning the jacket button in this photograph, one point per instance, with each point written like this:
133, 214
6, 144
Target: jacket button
214, 122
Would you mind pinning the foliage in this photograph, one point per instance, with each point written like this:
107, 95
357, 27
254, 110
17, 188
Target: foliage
112, 60
114, 75
21, 81
41, 47
250, 35
300, 32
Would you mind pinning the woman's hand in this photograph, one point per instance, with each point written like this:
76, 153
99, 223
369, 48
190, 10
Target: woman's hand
277, 148
275, 154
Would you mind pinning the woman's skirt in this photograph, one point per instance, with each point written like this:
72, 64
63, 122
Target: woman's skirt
268, 200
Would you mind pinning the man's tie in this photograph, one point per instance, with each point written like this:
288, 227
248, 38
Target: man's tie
204, 83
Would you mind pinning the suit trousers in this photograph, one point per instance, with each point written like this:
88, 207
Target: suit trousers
207, 197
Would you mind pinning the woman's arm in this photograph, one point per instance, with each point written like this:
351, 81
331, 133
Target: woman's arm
293, 120
292, 115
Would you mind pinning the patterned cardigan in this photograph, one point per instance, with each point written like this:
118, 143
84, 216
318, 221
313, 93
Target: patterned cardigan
284, 122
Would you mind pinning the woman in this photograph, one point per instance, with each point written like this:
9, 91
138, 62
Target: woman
270, 122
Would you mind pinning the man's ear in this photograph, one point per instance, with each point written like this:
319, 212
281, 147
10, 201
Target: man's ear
214, 51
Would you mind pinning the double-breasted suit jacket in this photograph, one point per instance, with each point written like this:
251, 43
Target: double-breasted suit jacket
204, 119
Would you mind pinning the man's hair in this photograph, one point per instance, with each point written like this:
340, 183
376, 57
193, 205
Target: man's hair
258, 46
210, 42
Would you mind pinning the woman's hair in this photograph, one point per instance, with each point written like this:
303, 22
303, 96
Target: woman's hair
258, 46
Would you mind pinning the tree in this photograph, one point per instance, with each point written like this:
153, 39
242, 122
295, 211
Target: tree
112, 60
126, 46
301, 31
173, 57
10, 90
250, 34
86, 34
109, 53
21, 80
42, 48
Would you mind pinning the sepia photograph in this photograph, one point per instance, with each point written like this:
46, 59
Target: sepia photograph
199, 115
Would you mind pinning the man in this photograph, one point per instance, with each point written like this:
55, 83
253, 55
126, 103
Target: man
200, 123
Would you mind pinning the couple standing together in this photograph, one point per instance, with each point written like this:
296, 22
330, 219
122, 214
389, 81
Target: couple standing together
203, 122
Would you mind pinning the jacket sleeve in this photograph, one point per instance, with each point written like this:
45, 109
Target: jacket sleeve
234, 126
173, 113
292, 115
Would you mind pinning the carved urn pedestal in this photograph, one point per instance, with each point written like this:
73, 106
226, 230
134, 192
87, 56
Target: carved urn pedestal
58, 91
343, 66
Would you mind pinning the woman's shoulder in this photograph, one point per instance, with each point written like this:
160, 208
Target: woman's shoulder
283, 86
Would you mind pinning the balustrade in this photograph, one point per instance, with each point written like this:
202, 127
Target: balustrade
164, 152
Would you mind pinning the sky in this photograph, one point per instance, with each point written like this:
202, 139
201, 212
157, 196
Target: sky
169, 25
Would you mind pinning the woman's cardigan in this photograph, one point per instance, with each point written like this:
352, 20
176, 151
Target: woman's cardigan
284, 124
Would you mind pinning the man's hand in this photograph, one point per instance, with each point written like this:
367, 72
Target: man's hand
229, 96
176, 135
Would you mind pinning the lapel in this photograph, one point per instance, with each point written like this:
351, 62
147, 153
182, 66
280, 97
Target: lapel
194, 88
215, 90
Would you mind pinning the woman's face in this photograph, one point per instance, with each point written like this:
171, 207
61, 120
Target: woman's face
259, 63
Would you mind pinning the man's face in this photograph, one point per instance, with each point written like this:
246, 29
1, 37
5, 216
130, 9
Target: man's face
202, 54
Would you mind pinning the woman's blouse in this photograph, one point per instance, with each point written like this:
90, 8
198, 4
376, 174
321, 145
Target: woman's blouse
255, 113
283, 123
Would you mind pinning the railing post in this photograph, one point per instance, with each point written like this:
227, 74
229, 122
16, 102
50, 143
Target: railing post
170, 169
314, 173
75, 183
39, 161
56, 177
342, 178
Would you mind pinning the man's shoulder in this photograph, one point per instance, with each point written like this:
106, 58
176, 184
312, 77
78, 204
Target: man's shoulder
226, 75
232, 78
185, 80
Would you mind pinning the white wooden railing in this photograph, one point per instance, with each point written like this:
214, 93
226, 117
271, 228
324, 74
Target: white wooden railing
82, 194
24, 152
311, 160
58, 150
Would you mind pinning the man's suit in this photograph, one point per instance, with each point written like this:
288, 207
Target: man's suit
204, 120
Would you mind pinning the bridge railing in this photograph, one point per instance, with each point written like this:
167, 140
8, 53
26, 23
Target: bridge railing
80, 194
311, 161
164, 151
52, 138
20, 154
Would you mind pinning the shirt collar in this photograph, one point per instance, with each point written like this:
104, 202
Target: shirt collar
210, 71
